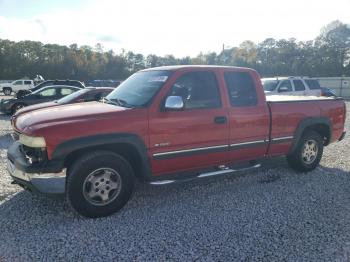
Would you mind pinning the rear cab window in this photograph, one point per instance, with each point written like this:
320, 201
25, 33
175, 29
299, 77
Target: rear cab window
241, 89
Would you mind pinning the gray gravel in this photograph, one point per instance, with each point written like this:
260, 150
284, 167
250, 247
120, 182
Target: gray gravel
270, 215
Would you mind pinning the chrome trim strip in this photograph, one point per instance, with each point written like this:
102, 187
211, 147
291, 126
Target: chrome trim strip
162, 182
282, 138
215, 173
189, 150
248, 143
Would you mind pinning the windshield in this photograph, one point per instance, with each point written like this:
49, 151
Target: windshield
139, 89
269, 85
71, 97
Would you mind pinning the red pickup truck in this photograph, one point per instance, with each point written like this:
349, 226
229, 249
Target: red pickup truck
164, 125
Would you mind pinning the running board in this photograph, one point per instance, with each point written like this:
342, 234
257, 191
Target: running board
203, 175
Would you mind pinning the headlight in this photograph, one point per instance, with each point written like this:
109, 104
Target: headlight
5, 102
32, 141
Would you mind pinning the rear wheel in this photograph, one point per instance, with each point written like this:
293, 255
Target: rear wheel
7, 91
99, 184
308, 153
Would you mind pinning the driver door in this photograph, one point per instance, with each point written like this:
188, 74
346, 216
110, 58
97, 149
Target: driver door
194, 137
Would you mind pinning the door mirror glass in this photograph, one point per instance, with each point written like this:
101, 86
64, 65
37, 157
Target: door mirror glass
174, 103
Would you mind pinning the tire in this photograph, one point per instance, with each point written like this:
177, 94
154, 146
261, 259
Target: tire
17, 107
7, 91
88, 183
308, 153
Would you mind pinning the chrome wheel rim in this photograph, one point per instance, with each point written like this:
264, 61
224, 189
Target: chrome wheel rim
102, 186
310, 150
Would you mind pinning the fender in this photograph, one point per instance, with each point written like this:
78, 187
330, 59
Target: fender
69, 146
304, 124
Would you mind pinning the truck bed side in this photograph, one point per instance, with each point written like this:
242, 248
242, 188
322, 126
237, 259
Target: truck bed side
290, 118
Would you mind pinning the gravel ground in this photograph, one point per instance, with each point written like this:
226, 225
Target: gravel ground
270, 215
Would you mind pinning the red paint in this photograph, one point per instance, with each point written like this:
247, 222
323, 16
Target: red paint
185, 129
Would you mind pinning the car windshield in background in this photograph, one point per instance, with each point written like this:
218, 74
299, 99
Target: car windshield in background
313, 84
71, 97
269, 85
139, 88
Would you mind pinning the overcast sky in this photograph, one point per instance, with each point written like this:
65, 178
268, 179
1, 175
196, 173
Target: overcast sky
181, 27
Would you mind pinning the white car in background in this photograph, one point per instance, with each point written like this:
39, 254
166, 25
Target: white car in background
15, 86
299, 86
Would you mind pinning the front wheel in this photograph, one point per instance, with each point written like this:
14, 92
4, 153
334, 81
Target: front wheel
308, 153
99, 184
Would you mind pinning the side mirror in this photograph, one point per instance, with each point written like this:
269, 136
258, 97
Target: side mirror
174, 103
283, 89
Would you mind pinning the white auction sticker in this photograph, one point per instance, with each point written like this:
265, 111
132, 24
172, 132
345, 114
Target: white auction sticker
158, 79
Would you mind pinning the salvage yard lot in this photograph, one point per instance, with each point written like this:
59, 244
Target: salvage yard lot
269, 214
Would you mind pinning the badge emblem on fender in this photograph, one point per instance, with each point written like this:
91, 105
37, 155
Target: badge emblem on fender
162, 144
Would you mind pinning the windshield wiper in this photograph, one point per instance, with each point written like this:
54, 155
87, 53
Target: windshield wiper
108, 101
121, 102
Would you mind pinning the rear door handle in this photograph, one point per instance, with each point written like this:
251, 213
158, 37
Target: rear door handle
220, 120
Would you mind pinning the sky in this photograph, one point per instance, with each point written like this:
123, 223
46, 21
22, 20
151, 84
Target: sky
181, 27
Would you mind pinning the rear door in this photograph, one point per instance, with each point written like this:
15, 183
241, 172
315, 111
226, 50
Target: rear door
248, 117
195, 137
299, 87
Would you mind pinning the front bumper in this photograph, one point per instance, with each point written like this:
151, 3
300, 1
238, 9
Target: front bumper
35, 178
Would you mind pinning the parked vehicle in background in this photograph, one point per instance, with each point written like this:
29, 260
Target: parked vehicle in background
327, 92
16, 86
68, 82
299, 86
87, 94
163, 125
45, 94
104, 83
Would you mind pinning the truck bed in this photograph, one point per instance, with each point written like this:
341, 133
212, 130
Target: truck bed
287, 112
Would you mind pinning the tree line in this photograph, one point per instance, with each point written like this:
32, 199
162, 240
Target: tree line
326, 55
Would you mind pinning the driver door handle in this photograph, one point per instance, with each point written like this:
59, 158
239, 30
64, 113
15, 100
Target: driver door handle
220, 120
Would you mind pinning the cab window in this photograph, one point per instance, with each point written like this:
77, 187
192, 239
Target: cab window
241, 89
17, 83
198, 90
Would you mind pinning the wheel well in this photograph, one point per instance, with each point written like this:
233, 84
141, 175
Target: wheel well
129, 152
323, 130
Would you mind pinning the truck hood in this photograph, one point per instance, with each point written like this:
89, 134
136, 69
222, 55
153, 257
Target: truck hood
35, 107
80, 112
